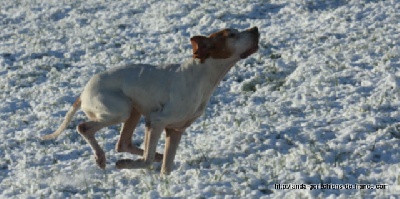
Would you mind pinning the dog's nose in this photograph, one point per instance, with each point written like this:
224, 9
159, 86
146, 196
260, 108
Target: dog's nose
254, 32
253, 29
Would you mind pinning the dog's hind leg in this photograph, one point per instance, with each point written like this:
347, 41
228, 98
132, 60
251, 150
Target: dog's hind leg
124, 143
153, 133
88, 131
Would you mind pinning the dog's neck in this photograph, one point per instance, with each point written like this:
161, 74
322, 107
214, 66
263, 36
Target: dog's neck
218, 68
213, 69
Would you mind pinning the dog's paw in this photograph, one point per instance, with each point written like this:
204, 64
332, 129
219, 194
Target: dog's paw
124, 164
165, 172
132, 164
101, 160
158, 157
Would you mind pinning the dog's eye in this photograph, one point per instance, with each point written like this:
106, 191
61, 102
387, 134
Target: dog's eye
231, 35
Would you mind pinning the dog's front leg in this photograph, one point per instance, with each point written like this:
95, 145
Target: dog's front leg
172, 139
152, 135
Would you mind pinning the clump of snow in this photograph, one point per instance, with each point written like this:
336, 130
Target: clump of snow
317, 104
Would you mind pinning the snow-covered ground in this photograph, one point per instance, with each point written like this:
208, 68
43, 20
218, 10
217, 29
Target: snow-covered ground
318, 104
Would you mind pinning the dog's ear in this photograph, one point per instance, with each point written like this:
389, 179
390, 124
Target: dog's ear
201, 47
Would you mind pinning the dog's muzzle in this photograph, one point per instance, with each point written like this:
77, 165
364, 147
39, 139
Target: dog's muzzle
254, 48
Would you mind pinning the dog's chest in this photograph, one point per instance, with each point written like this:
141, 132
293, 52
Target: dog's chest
182, 123
187, 104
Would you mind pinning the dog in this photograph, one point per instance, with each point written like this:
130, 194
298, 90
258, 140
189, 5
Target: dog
169, 97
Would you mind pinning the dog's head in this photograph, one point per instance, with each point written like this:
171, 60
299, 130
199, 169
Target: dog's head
225, 44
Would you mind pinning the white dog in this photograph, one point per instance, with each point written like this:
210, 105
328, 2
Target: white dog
169, 97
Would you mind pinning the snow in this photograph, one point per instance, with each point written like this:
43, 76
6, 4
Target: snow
318, 103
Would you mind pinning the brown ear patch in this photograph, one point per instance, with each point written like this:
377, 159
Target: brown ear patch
214, 46
221, 49
201, 47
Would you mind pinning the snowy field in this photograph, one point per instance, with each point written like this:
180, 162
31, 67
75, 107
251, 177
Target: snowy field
318, 104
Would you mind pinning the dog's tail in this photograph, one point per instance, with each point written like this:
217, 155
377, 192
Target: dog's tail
67, 119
